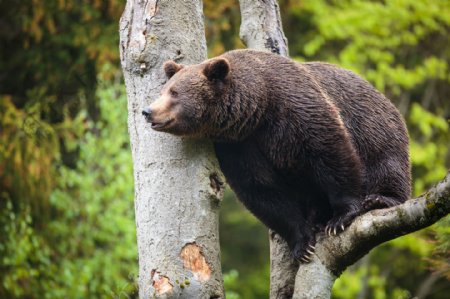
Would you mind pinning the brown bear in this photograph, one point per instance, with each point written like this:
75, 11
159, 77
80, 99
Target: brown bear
305, 146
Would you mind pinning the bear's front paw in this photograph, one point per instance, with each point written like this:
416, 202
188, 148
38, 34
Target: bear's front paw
338, 223
303, 253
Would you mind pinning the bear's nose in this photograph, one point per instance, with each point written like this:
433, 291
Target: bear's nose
147, 112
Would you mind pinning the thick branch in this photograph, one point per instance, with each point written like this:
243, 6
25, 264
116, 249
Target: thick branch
334, 254
378, 226
283, 267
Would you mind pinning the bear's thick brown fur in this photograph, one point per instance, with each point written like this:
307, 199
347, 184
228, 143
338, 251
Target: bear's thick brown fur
304, 146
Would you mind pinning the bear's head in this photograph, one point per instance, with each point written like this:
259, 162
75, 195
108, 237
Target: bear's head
192, 99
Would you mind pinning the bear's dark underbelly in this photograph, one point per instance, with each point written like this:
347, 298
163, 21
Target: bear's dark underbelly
277, 197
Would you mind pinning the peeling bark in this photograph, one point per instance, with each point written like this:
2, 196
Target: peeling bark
161, 283
178, 186
261, 29
194, 261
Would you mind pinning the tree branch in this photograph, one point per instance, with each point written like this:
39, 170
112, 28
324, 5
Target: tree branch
334, 254
282, 267
379, 226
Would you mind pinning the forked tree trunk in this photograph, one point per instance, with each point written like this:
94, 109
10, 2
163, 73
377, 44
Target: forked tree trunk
178, 186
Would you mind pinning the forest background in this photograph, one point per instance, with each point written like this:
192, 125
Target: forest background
66, 185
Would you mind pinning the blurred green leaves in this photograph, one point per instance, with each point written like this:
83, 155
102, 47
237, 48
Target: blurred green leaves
87, 249
244, 250
429, 153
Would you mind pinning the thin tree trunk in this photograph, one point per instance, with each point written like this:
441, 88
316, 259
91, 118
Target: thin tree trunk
261, 27
283, 268
178, 186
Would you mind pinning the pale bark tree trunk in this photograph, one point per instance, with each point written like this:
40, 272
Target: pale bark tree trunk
178, 185
261, 29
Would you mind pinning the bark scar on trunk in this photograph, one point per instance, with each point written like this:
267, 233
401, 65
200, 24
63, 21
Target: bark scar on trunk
194, 260
216, 184
161, 283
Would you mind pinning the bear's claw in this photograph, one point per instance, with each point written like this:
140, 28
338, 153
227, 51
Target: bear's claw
333, 230
338, 224
305, 254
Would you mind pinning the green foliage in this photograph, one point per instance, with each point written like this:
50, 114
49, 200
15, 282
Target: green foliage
66, 197
222, 21
52, 50
88, 248
24, 256
96, 200
429, 152
231, 282
244, 250
28, 147
397, 45
440, 258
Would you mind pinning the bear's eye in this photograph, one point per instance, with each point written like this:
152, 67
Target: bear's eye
173, 93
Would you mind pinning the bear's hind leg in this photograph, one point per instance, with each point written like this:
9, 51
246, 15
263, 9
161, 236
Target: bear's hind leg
306, 228
377, 201
388, 182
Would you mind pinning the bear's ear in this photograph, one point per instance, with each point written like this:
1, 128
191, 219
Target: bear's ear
171, 68
217, 69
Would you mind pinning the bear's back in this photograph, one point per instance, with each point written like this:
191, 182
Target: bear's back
366, 112
374, 123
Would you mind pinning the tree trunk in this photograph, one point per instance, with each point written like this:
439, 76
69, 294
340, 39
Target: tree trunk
261, 27
178, 186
